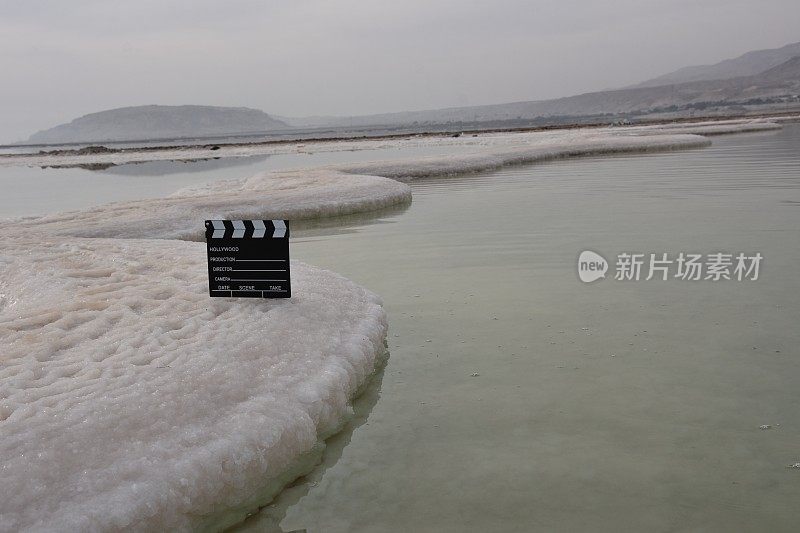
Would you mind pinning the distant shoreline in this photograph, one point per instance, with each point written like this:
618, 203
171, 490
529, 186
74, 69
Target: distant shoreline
380, 134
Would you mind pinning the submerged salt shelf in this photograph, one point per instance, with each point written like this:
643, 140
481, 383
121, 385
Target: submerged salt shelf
132, 400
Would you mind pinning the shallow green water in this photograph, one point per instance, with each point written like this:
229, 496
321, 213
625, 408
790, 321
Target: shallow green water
554, 434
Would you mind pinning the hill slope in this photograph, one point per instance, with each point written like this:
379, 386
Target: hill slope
159, 122
780, 81
747, 64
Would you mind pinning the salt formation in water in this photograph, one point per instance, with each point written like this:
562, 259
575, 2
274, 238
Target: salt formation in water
130, 399
269, 195
547, 148
711, 127
339, 190
484, 139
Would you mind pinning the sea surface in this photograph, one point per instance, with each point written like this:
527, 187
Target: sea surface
517, 398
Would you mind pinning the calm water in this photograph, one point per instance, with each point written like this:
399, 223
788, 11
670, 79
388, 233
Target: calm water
554, 434
36, 191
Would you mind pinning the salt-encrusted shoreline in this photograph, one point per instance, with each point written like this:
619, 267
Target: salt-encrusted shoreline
477, 140
131, 400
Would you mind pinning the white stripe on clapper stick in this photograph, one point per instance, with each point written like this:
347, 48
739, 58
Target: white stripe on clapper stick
260, 229
219, 229
238, 229
280, 228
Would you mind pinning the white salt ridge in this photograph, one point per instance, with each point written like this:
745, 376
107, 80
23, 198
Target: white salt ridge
712, 128
488, 139
785, 118
572, 145
130, 399
270, 195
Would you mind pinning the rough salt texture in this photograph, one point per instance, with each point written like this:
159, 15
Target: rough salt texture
129, 399
270, 195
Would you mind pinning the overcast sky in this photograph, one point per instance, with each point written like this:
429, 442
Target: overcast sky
60, 60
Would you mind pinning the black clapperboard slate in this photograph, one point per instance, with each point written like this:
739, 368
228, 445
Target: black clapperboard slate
248, 258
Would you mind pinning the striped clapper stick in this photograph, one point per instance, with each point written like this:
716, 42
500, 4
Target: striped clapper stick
248, 258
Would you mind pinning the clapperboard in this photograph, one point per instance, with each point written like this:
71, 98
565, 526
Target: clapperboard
248, 258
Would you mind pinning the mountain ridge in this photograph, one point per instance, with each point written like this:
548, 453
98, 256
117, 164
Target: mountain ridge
780, 81
747, 64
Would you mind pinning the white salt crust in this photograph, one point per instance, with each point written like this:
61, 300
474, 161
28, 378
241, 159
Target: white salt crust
132, 400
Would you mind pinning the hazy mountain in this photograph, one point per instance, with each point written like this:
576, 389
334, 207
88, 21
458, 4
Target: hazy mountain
159, 122
770, 77
780, 82
745, 65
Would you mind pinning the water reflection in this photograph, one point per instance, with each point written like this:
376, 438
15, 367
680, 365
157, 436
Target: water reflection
166, 167
268, 518
81, 187
310, 229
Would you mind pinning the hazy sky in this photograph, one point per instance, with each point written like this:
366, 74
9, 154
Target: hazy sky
63, 59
